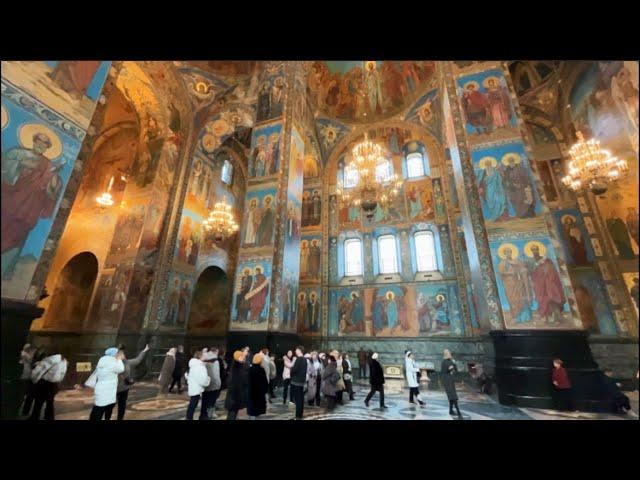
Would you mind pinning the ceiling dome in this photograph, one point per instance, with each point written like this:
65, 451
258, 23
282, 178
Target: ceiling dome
366, 90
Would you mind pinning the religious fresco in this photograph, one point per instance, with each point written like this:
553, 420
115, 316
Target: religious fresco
632, 282
271, 93
330, 133
179, 293
591, 302
137, 298
250, 299
505, 183
604, 105
367, 90
310, 258
109, 298
209, 310
259, 218
395, 310
46, 109
189, 238
485, 101
575, 237
311, 208
312, 161
308, 310
419, 198
529, 285
265, 151
426, 113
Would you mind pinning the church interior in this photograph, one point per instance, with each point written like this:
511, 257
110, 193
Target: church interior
489, 208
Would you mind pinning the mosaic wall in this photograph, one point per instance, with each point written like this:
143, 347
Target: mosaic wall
46, 110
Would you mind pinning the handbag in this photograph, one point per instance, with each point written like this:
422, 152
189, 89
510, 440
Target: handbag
92, 380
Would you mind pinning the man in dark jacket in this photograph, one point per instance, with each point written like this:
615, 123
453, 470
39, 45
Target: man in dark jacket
347, 375
238, 386
376, 379
298, 381
178, 370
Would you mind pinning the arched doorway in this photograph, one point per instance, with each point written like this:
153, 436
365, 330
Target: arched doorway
72, 293
210, 304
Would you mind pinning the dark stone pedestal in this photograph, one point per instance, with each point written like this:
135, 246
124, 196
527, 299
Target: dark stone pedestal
523, 361
16, 322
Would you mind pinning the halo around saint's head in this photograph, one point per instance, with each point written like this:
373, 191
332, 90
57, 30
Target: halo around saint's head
5, 117
301, 296
566, 217
27, 132
507, 157
304, 243
514, 250
209, 142
440, 297
487, 160
540, 245
270, 197
485, 82
354, 293
473, 83
255, 269
390, 295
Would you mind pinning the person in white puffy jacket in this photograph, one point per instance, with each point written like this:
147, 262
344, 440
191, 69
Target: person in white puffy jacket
197, 380
105, 384
46, 375
411, 372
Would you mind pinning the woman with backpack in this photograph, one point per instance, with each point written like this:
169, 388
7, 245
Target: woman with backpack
46, 375
330, 377
448, 370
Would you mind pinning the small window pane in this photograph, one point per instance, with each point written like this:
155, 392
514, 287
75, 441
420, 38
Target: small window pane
350, 177
425, 252
383, 172
387, 254
353, 257
415, 165
227, 172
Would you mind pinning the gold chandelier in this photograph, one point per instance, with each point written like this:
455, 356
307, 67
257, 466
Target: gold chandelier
370, 189
592, 167
220, 222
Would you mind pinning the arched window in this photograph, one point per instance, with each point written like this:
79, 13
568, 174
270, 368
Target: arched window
415, 165
384, 171
353, 257
387, 254
227, 172
425, 251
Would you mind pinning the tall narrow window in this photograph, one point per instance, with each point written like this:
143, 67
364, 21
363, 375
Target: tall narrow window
350, 177
383, 171
415, 165
387, 254
425, 251
227, 172
353, 257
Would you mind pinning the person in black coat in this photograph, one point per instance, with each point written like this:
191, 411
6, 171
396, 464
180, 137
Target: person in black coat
258, 387
237, 386
618, 402
376, 379
299, 381
179, 369
448, 371
347, 375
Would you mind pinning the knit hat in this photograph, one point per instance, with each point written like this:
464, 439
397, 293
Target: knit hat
111, 352
257, 358
237, 355
374, 356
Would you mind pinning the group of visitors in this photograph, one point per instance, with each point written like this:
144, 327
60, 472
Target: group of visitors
41, 377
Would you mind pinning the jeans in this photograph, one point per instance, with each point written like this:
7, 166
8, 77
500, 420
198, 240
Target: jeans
563, 399
232, 414
121, 398
193, 404
98, 412
318, 387
285, 390
454, 403
413, 392
349, 386
43, 394
28, 388
375, 389
208, 402
297, 392
272, 384
331, 402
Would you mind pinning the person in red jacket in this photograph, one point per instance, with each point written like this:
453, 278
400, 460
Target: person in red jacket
562, 395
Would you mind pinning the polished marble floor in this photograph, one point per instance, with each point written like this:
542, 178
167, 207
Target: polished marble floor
145, 405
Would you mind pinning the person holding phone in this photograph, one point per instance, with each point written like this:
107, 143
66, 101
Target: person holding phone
125, 379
